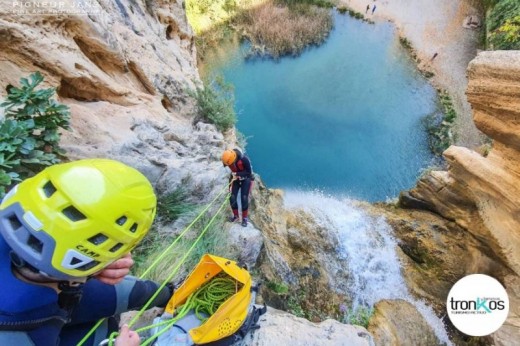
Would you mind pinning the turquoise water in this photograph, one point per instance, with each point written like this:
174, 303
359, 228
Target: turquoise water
343, 118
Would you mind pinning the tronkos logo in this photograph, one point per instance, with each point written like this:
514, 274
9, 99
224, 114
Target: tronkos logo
477, 305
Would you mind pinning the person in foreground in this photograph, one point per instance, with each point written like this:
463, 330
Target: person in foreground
241, 179
65, 241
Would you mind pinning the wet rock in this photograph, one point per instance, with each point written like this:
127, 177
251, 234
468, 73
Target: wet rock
298, 253
397, 322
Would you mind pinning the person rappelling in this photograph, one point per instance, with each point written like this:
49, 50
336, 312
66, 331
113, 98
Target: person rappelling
241, 178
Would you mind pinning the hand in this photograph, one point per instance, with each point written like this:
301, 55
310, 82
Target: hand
127, 337
234, 176
115, 272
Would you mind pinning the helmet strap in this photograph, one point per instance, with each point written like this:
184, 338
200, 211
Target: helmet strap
70, 295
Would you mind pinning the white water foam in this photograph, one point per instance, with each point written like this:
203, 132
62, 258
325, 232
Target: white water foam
368, 246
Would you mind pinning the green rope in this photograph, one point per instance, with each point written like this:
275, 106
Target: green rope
174, 272
161, 256
96, 326
206, 300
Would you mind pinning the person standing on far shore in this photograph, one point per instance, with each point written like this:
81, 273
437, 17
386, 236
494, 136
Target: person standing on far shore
434, 56
373, 9
368, 8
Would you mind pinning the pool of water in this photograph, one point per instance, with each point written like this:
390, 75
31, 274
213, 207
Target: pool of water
343, 118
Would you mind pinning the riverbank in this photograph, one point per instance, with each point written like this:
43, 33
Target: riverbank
435, 27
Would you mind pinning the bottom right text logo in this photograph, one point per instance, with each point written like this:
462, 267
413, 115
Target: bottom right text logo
477, 305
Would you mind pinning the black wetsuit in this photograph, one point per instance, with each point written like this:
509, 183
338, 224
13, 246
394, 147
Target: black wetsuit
244, 171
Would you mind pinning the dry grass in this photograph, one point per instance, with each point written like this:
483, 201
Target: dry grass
280, 30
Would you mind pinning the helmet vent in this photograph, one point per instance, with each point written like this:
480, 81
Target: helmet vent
121, 221
14, 222
73, 214
48, 189
35, 244
133, 228
116, 247
98, 239
88, 266
75, 260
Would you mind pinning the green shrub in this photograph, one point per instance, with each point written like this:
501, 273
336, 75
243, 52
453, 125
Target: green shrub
215, 102
277, 287
29, 133
318, 3
405, 43
360, 316
342, 9
156, 241
503, 24
294, 305
174, 204
440, 129
428, 74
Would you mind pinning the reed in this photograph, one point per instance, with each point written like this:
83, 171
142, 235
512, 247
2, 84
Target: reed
278, 30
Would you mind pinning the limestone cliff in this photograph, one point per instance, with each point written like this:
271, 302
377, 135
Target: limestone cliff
482, 194
124, 71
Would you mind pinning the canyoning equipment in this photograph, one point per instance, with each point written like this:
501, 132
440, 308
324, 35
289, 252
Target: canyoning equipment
229, 157
213, 306
174, 271
231, 313
73, 219
244, 221
234, 218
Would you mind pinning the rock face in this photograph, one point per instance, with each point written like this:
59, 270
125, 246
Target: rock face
246, 243
280, 328
435, 253
482, 194
298, 253
397, 322
124, 72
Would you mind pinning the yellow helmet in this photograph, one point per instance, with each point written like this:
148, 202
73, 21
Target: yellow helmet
229, 157
73, 219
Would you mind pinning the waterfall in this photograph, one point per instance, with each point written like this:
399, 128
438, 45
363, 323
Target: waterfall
368, 246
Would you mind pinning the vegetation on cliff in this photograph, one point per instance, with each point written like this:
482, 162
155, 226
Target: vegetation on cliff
171, 207
215, 103
440, 128
29, 132
503, 24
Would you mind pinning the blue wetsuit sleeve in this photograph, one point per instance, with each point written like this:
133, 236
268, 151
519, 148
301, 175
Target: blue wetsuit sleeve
101, 300
247, 168
16, 338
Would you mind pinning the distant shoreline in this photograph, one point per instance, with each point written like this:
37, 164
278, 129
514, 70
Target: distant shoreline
434, 28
